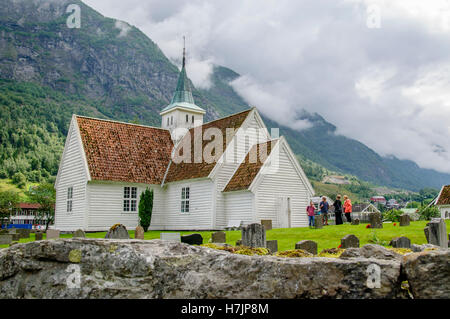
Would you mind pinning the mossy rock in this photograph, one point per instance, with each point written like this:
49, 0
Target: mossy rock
293, 253
331, 252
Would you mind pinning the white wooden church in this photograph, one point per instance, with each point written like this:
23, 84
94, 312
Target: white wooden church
246, 176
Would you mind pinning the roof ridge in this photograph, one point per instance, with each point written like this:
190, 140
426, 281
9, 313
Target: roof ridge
222, 118
120, 122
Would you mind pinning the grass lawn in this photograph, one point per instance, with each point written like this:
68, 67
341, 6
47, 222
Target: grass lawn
328, 237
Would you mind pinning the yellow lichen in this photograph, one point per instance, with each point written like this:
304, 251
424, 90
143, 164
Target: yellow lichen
331, 253
241, 250
112, 248
294, 253
75, 256
401, 251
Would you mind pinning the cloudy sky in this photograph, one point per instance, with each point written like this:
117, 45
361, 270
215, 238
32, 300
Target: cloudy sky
378, 70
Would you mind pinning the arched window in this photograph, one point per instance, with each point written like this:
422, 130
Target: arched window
192, 119
187, 118
167, 121
171, 120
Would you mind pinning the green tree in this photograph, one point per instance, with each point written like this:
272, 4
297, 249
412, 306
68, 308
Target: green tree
9, 200
44, 195
145, 208
19, 179
426, 213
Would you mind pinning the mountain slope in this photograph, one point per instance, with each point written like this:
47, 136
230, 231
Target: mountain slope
109, 69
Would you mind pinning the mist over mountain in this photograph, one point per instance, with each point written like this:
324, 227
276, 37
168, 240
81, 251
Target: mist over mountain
110, 69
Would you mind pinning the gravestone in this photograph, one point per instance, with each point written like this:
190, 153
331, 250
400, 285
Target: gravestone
238, 242
267, 223
404, 220
349, 241
400, 242
117, 231
139, 232
23, 232
426, 230
375, 220
254, 235
171, 236
6, 239
12, 231
38, 235
192, 239
79, 233
52, 233
272, 246
355, 221
438, 232
307, 245
449, 240
318, 221
219, 237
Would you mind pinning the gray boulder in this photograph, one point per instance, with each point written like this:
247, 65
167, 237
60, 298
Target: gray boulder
371, 251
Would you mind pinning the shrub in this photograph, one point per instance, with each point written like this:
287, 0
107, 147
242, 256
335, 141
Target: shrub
146, 208
427, 213
392, 215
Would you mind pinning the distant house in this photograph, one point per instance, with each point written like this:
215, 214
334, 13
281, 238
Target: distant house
361, 211
392, 204
26, 214
442, 202
378, 200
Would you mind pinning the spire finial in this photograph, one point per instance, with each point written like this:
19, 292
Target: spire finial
184, 51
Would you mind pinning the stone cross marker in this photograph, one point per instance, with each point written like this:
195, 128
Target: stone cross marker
272, 245
117, 231
400, 242
38, 235
79, 233
219, 237
139, 232
267, 223
52, 233
375, 220
171, 236
307, 245
404, 220
349, 241
438, 232
318, 221
254, 235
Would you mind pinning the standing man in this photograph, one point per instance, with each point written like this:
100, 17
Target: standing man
348, 208
310, 211
338, 210
324, 206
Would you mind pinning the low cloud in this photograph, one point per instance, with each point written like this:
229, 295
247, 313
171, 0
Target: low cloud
386, 87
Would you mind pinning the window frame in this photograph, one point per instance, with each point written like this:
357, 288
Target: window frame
185, 200
129, 199
69, 199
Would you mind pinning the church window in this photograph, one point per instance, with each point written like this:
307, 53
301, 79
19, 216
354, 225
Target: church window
185, 199
69, 199
187, 118
129, 199
192, 119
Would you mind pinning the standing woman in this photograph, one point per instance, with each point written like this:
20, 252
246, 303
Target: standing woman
338, 210
310, 211
347, 208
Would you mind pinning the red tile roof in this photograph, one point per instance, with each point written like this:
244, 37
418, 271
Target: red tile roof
183, 170
249, 168
117, 151
29, 206
444, 198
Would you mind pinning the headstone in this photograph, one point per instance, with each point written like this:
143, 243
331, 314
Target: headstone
192, 239
52, 233
267, 223
254, 235
79, 233
404, 220
426, 230
438, 232
318, 221
308, 245
23, 232
272, 245
139, 232
238, 242
171, 236
38, 235
117, 231
375, 220
219, 237
12, 231
6, 239
349, 241
355, 221
400, 242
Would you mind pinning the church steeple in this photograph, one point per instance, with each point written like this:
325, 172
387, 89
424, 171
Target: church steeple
182, 112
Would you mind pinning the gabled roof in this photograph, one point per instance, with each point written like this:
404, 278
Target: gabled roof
250, 167
361, 208
444, 196
117, 151
182, 171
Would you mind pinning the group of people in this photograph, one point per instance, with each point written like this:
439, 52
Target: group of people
339, 208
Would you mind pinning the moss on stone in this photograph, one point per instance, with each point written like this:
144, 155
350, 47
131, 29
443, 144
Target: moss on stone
294, 253
75, 256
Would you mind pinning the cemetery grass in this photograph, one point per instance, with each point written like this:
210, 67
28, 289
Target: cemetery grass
327, 237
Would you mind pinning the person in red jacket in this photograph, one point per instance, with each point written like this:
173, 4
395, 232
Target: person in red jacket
347, 208
310, 211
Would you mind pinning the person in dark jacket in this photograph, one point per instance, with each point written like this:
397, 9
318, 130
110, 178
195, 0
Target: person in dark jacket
324, 206
338, 210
